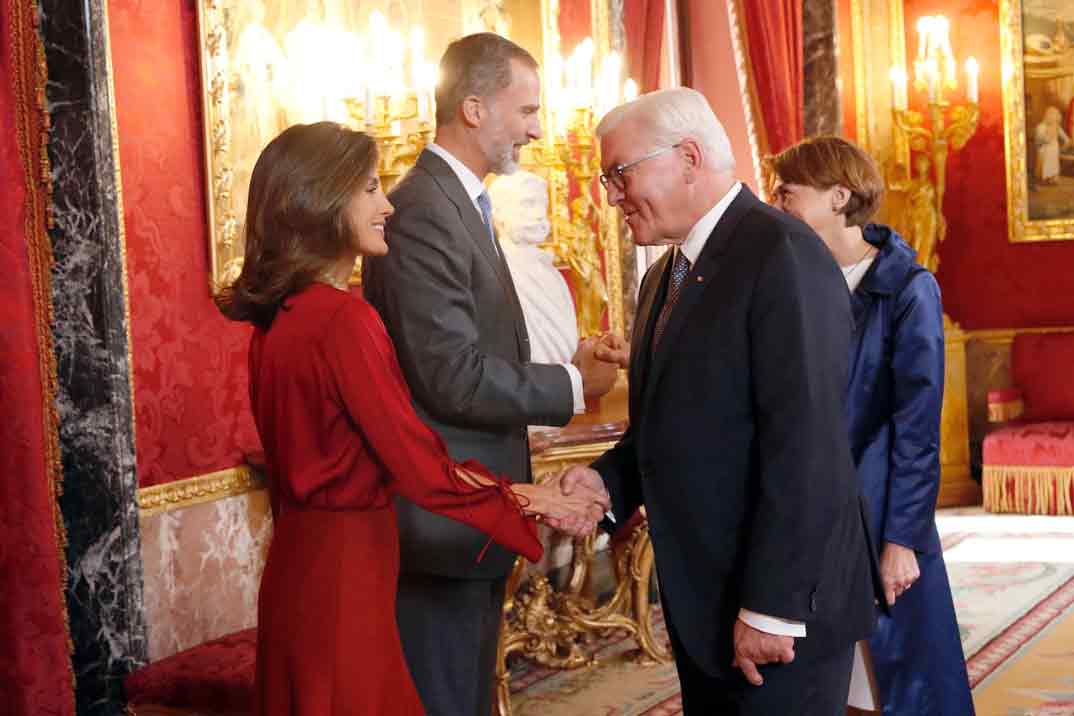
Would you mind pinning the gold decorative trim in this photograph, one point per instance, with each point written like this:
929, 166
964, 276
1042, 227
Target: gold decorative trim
1005, 411
754, 130
195, 490
608, 216
1028, 489
899, 163
557, 458
1006, 335
857, 40
29, 77
213, 30
1020, 227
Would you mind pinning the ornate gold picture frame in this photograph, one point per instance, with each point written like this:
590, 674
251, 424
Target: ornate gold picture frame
1037, 45
255, 83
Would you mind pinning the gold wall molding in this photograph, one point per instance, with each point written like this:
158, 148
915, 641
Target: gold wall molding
754, 129
1006, 335
238, 480
877, 43
555, 459
196, 490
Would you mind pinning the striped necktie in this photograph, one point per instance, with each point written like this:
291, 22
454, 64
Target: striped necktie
679, 268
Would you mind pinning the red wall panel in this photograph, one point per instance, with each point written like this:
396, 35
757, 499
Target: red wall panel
987, 281
190, 375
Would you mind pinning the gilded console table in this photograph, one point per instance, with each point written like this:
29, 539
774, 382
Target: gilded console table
551, 626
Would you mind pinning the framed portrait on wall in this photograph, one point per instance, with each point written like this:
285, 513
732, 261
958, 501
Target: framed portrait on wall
268, 64
1037, 44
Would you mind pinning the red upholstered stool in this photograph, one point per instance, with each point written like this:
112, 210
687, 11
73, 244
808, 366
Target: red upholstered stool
1029, 468
1029, 461
212, 679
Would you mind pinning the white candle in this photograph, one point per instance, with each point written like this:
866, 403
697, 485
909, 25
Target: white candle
898, 88
932, 77
971, 80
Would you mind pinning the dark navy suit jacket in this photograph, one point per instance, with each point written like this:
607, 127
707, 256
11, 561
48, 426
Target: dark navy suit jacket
737, 443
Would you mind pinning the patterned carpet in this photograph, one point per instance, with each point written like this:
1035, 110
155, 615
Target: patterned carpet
1013, 584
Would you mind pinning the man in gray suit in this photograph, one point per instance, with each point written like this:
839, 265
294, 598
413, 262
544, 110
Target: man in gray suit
447, 298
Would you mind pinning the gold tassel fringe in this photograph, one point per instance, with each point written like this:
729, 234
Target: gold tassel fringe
1029, 489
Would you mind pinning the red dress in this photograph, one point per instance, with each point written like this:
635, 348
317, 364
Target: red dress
340, 437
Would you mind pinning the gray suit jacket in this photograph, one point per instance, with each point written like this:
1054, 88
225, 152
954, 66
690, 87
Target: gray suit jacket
450, 306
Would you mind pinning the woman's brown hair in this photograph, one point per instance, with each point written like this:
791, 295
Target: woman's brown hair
296, 219
823, 162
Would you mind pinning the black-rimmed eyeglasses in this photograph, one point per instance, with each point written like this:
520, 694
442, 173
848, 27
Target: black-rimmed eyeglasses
614, 177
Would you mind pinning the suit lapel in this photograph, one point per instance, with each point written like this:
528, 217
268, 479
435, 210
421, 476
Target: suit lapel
653, 288
452, 187
700, 277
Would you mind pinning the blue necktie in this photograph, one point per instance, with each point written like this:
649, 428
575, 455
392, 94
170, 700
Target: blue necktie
679, 268
486, 212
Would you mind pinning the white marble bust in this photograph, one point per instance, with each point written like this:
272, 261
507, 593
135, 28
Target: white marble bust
520, 212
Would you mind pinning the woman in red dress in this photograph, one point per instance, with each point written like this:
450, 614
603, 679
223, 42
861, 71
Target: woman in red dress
341, 437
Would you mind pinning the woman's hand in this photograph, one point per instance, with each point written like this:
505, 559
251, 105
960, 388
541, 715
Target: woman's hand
576, 515
898, 570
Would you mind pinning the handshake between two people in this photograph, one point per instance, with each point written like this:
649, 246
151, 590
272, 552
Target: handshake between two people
573, 501
599, 359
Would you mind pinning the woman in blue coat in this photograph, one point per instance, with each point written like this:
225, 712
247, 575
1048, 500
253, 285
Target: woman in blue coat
894, 397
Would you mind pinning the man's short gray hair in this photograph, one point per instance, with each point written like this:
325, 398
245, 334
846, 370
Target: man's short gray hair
672, 115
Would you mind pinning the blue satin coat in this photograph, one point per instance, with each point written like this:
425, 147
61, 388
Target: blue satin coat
893, 409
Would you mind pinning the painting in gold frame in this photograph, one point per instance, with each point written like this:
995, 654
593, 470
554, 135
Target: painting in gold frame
1037, 44
263, 68
254, 95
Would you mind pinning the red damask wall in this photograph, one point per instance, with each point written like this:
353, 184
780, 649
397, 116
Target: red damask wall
35, 663
987, 281
190, 390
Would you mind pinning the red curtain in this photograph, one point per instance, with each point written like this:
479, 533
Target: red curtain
575, 24
643, 22
35, 665
772, 31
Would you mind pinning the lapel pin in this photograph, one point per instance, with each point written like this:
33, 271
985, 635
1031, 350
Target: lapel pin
700, 279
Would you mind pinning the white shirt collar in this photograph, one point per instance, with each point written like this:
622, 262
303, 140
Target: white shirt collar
695, 240
470, 181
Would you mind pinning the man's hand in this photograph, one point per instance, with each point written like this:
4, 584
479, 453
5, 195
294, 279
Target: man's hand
898, 570
598, 377
582, 481
575, 515
613, 349
754, 647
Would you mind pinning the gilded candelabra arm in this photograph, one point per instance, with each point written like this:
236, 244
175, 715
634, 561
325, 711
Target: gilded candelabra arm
909, 122
963, 125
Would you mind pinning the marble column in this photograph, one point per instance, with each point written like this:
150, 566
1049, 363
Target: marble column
822, 106
91, 336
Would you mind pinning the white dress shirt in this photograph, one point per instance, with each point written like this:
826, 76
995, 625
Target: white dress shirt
692, 248
474, 188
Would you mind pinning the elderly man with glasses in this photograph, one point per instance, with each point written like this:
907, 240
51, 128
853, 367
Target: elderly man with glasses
737, 443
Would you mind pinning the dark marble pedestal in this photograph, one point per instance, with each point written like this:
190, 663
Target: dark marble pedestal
104, 591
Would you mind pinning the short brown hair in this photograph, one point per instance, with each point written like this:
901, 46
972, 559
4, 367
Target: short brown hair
824, 162
478, 65
296, 219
